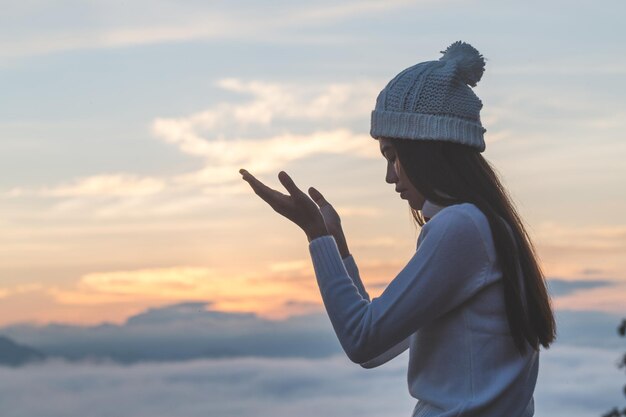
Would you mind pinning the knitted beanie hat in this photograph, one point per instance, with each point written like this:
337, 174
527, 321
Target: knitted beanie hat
432, 100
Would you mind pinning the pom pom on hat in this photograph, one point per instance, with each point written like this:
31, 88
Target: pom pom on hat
470, 64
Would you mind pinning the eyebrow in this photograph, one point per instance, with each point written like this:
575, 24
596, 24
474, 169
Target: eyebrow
384, 148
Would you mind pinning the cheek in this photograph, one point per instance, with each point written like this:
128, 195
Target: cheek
400, 172
397, 168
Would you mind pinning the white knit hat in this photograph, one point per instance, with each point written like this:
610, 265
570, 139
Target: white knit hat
432, 100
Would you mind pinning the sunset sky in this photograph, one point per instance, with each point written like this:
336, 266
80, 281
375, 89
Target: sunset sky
123, 126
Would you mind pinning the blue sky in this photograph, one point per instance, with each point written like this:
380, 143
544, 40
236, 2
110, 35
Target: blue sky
124, 126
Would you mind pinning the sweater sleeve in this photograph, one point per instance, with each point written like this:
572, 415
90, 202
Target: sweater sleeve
387, 355
353, 271
447, 268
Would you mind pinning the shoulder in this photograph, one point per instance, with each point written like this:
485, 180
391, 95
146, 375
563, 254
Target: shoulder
462, 222
467, 217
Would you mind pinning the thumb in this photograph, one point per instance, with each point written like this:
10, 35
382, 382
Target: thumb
317, 197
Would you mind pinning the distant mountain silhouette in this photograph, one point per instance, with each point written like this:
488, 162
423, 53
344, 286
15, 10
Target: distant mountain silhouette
13, 354
192, 330
182, 331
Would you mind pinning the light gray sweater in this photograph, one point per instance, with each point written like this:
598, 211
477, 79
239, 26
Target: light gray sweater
447, 307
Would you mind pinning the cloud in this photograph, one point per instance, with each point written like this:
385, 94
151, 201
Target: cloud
111, 25
99, 186
292, 100
117, 286
577, 381
277, 290
560, 287
553, 118
580, 68
228, 156
21, 289
252, 386
581, 252
290, 266
591, 295
590, 328
608, 299
285, 122
226, 137
348, 10
359, 211
574, 251
599, 238
262, 291
214, 133
71, 40
573, 382
184, 331
592, 271
193, 329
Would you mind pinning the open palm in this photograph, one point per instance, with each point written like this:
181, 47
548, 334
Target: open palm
296, 206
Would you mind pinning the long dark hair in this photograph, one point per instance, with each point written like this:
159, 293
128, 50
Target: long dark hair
462, 175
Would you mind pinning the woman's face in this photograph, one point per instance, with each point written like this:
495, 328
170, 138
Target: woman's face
395, 175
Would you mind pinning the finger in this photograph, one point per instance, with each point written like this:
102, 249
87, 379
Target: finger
288, 183
254, 183
317, 197
266, 193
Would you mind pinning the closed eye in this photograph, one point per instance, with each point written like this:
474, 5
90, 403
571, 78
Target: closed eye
388, 157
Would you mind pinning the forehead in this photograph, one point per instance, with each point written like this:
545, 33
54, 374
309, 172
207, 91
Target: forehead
384, 144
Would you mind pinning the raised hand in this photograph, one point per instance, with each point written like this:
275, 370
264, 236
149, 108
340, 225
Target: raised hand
332, 220
296, 206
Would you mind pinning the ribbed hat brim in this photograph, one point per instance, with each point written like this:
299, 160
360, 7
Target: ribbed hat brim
392, 124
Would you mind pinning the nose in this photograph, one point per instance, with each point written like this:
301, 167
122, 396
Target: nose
392, 176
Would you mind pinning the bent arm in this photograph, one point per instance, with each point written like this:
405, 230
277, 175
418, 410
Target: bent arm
448, 267
387, 355
353, 271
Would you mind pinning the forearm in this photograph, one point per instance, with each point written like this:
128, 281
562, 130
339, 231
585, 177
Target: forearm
353, 271
364, 332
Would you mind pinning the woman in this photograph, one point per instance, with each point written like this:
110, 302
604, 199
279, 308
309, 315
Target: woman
471, 304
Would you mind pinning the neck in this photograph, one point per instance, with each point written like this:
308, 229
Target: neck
430, 209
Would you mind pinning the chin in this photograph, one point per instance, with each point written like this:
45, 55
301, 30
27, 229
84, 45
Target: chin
416, 206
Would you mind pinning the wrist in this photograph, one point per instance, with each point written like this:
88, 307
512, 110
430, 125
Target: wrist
316, 231
341, 242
